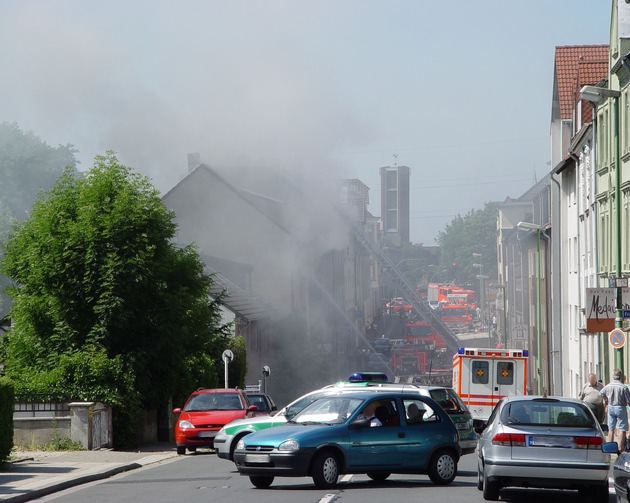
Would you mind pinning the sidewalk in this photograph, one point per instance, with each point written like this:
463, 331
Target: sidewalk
33, 474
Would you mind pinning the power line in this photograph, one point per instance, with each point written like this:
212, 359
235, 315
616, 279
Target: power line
433, 147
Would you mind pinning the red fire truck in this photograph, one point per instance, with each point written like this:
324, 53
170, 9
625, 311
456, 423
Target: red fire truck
421, 354
455, 303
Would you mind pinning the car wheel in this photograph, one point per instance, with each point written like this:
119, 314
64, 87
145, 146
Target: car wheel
442, 467
479, 479
325, 470
378, 477
490, 488
260, 481
599, 494
181, 450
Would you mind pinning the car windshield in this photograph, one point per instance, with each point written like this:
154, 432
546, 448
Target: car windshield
448, 400
328, 410
214, 401
547, 413
298, 405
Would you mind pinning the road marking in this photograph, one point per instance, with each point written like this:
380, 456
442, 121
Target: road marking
328, 498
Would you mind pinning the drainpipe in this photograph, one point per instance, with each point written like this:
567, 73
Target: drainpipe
556, 384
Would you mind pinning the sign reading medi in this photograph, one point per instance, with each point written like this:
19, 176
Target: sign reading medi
601, 305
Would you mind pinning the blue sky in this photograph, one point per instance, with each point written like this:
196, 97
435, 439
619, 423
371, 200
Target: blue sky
459, 91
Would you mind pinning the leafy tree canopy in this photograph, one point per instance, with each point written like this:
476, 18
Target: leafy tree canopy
28, 165
100, 290
474, 233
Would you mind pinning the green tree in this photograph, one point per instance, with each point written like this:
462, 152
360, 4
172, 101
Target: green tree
100, 291
27, 165
418, 263
475, 232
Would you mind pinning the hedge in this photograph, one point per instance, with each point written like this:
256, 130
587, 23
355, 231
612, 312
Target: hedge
7, 395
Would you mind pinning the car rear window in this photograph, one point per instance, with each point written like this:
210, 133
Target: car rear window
547, 413
448, 400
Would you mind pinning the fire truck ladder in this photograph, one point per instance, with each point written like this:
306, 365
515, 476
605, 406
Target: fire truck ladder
408, 292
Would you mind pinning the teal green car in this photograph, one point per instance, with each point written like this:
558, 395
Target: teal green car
334, 435
227, 437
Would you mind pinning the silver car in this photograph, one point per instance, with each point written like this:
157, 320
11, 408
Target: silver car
547, 442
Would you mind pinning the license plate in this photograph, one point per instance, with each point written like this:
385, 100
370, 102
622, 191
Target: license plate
256, 458
550, 441
206, 434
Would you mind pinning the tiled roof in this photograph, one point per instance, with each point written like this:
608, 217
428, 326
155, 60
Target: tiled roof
577, 66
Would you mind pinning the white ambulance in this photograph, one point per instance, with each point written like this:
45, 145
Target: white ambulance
481, 377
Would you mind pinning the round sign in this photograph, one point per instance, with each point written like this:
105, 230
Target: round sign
228, 356
617, 338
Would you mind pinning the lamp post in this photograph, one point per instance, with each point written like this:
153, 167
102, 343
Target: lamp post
436, 273
528, 226
595, 94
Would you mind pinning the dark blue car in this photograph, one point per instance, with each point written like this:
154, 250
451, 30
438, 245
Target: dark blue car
340, 434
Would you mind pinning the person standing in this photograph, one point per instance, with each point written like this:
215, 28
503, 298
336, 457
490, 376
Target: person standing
591, 397
617, 397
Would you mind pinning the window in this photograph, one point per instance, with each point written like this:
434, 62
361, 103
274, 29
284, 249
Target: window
480, 372
505, 373
418, 412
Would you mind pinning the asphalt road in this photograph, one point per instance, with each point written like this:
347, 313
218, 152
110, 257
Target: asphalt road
203, 477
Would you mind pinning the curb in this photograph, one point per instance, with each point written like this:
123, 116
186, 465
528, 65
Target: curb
62, 486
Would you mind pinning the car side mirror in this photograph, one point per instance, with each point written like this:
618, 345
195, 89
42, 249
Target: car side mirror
252, 408
604, 427
610, 448
177, 411
274, 407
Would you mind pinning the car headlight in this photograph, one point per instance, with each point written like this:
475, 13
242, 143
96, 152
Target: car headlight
183, 424
240, 445
289, 445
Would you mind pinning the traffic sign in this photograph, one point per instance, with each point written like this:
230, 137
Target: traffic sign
617, 338
228, 356
626, 314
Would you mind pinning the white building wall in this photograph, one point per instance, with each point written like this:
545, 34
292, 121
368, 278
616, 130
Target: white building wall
571, 277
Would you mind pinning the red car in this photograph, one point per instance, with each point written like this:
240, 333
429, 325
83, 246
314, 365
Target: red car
396, 305
205, 413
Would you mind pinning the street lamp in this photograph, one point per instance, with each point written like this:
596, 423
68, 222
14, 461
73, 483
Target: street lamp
436, 273
595, 94
528, 226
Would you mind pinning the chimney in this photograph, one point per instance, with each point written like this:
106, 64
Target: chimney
194, 160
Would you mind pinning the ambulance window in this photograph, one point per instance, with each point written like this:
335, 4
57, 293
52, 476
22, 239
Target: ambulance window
505, 373
480, 372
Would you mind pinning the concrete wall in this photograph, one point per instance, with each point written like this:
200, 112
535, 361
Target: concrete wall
40, 424
39, 431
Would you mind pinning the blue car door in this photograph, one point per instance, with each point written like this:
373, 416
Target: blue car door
378, 447
424, 430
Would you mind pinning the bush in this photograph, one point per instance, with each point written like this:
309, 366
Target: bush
7, 395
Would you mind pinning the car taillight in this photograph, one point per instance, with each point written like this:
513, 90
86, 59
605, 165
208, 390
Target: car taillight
587, 442
509, 439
